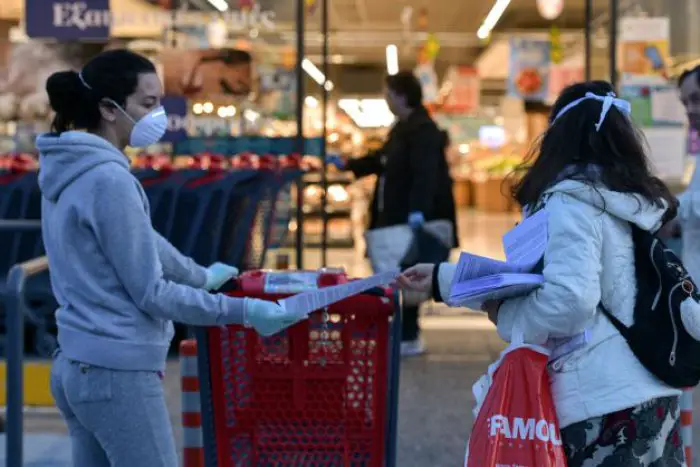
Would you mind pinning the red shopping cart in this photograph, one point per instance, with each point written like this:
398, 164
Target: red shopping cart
323, 393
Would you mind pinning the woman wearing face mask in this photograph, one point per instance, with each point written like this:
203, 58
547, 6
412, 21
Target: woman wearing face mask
591, 174
118, 283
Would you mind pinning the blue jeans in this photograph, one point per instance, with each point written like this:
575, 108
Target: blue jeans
115, 418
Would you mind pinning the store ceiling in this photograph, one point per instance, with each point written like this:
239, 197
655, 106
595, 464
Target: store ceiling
361, 29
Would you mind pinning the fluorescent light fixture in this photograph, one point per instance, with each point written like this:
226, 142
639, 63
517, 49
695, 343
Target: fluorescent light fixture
392, 59
367, 113
316, 74
497, 10
311, 101
221, 5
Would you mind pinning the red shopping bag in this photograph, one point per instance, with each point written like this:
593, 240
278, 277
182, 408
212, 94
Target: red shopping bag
516, 425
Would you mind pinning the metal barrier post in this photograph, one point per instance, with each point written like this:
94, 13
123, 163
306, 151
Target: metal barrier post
193, 444
14, 312
686, 402
14, 329
15, 308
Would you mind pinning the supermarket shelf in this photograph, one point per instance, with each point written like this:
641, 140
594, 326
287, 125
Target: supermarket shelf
330, 212
315, 242
340, 243
333, 179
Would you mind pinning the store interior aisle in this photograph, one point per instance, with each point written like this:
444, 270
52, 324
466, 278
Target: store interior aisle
435, 406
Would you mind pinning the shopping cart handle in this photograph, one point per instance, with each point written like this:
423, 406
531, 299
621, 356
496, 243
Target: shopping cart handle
233, 286
228, 287
376, 291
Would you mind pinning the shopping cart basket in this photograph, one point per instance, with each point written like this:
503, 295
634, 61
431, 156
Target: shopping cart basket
323, 393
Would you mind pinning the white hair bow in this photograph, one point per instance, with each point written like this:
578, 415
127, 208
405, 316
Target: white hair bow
608, 101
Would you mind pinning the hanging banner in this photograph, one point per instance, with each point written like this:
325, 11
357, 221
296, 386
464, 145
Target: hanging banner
561, 76
95, 19
65, 21
528, 78
464, 89
177, 109
644, 50
425, 73
200, 73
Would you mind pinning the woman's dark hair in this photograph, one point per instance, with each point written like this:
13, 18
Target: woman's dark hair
405, 83
75, 98
571, 147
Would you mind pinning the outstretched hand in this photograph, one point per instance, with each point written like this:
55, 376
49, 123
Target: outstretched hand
418, 278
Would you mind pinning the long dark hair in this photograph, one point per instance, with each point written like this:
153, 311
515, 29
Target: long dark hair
571, 145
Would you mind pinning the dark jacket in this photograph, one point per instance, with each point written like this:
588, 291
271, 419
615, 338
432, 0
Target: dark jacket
413, 174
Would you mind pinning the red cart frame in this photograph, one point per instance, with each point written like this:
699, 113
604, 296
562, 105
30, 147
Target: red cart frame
324, 393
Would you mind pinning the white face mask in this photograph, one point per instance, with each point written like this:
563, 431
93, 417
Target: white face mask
149, 129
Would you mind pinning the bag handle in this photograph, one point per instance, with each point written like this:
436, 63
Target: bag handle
517, 337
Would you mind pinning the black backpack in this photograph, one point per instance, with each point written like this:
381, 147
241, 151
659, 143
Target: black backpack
658, 337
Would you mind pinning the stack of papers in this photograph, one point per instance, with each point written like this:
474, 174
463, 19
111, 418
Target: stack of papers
304, 303
479, 279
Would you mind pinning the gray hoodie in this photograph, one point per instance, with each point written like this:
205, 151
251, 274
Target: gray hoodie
118, 283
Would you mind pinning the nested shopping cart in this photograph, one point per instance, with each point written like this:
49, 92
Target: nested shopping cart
323, 393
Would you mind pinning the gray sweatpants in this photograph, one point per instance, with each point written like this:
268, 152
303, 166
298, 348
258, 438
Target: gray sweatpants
115, 418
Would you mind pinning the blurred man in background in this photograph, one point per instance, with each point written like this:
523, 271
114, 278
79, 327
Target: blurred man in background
413, 179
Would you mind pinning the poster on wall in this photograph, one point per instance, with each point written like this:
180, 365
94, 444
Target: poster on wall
198, 73
654, 105
464, 89
425, 73
528, 78
561, 76
644, 50
277, 86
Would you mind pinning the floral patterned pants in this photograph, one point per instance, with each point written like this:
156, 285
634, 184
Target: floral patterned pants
644, 436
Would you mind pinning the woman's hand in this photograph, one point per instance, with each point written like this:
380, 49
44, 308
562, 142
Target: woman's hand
418, 278
491, 307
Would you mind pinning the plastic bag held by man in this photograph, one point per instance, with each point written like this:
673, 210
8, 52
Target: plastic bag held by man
516, 424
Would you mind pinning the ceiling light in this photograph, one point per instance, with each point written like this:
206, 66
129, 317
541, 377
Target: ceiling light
497, 10
221, 5
367, 113
316, 74
392, 59
311, 101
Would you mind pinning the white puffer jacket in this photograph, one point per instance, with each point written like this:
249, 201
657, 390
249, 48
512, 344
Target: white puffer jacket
589, 259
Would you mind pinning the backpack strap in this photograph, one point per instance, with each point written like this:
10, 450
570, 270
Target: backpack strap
624, 330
